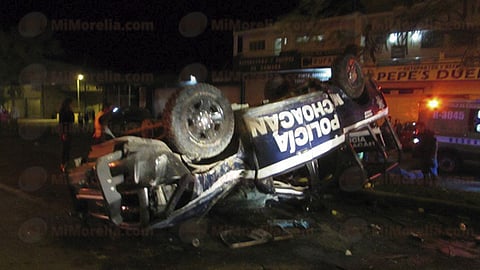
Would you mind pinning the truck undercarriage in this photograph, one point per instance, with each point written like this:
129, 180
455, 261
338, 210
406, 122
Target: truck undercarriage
211, 148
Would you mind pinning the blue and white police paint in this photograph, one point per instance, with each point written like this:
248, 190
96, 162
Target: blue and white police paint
289, 133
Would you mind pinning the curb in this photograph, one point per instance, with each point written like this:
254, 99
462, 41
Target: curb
434, 205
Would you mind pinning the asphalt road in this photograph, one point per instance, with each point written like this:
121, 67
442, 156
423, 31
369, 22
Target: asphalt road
344, 231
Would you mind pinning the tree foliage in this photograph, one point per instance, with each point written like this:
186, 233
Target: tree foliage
17, 52
327, 8
407, 16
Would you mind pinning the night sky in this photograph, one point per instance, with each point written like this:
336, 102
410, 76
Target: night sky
163, 49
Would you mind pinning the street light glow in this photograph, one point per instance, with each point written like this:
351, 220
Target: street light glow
79, 78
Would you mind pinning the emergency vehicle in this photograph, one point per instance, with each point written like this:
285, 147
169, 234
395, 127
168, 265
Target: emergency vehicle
456, 123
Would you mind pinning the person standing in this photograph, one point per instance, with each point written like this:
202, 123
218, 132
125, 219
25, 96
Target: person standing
427, 151
66, 119
102, 131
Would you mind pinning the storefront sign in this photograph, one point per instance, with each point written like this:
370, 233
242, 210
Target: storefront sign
424, 72
268, 63
318, 61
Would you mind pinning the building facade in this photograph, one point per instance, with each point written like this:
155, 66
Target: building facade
42, 88
412, 52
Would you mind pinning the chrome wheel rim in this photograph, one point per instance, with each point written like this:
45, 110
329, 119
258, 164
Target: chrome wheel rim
205, 119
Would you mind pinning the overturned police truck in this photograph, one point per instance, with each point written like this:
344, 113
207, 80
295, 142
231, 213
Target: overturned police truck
338, 129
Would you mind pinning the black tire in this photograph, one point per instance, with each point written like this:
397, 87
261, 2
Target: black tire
347, 74
199, 121
448, 162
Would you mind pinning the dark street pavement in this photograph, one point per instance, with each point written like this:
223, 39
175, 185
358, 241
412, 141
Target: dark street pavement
397, 225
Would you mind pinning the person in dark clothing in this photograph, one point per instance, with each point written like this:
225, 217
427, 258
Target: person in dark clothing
427, 149
66, 119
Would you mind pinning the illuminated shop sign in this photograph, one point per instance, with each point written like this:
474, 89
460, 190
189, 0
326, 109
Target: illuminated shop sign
424, 72
318, 61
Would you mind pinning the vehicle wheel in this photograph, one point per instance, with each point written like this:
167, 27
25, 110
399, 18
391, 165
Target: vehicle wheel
199, 121
448, 162
347, 74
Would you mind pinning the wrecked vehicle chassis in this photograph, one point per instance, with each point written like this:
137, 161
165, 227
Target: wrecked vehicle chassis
135, 182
